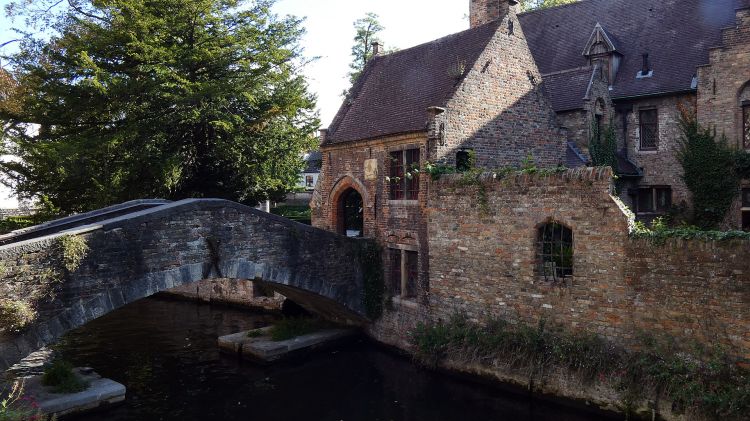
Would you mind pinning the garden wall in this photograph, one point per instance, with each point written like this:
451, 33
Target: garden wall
483, 262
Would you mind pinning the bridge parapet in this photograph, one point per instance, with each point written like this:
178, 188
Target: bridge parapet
66, 279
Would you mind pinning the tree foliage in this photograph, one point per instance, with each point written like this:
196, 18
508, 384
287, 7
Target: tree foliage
367, 30
163, 98
543, 4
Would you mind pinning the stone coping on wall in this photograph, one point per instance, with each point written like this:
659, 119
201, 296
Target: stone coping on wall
541, 176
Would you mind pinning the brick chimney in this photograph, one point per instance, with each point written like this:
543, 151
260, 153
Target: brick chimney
486, 11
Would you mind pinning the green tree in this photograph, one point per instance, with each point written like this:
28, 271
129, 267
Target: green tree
542, 4
158, 98
367, 30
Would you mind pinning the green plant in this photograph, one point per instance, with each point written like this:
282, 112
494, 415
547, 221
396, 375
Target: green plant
292, 327
14, 406
296, 213
255, 333
704, 381
74, 249
60, 376
708, 171
603, 146
15, 315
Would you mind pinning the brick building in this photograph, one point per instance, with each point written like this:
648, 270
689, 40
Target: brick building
534, 84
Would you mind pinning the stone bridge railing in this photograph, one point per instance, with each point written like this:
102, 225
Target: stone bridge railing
56, 283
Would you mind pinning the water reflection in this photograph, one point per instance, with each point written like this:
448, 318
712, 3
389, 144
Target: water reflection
165, 352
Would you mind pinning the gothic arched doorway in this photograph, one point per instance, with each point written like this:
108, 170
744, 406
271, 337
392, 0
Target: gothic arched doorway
351, 220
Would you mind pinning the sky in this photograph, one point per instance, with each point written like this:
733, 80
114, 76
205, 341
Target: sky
329, 37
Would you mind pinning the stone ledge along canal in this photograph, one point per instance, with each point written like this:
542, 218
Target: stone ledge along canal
165, 352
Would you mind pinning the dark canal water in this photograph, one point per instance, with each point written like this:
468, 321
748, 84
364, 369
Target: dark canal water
165, 352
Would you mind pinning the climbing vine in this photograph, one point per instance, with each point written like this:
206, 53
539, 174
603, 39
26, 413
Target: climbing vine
370, 258
603, 146
709, 171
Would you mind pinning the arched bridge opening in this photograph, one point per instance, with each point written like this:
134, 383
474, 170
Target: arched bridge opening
61, 281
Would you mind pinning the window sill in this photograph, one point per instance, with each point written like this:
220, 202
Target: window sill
405, 302
392, 202
648, 151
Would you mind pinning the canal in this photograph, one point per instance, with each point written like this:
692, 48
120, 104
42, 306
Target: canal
165, 352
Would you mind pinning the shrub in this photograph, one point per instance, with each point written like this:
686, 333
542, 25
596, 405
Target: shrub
705, 382
60, 376
15, 315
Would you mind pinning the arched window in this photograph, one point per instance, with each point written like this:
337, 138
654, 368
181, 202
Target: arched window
555, 251
351, 222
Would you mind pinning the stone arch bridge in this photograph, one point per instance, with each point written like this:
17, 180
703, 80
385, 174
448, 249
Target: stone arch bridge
58, 276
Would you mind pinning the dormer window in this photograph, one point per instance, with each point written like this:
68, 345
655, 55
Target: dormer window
600, 50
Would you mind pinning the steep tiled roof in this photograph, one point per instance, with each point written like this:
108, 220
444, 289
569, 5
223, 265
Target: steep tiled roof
566, 90
395, 90
313, 162
675, 33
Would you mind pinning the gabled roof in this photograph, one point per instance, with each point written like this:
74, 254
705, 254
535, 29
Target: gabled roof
599, 34
394, 91
676, 34
568, 89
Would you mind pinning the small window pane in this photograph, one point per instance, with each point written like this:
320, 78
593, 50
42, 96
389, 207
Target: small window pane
395, 272
645, 200
649, 129
746, 221
397, 175
746, 198
412, 182
555, 251
663, 199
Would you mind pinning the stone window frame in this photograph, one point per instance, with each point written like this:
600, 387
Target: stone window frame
746, 124
405, 199
655, 147
405, 255
548, 249
656, 209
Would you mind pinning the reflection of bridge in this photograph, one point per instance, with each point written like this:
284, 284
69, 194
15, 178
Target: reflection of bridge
76, 269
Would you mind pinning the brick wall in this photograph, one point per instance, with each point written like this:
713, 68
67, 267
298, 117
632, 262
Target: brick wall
393, 223
483, 263
723, 83
660, 166
499, 109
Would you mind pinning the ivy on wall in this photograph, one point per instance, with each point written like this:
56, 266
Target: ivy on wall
711, 171
603, 146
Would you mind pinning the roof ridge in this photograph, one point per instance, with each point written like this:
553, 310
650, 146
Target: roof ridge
558, 7
435, 41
